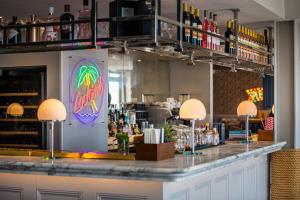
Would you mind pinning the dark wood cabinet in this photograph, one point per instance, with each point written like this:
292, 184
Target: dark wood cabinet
27, 87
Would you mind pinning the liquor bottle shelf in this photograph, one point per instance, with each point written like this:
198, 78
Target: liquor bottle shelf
32, 146
19, 120
21, 94
24, 106
155, 42
19, 133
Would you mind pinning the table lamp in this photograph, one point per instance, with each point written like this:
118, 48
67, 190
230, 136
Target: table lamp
193, 110
15, 110
52, 110
247, 109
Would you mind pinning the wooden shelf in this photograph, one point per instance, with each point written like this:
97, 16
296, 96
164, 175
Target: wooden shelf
19, 120
20, 145
22, 94
19, 133
25, 107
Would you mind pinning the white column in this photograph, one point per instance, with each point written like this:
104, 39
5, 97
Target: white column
284, 83
297, 82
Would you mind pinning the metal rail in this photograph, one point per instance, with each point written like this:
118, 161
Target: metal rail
155, 42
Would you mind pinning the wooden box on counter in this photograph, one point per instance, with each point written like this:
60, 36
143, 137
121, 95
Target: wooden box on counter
154, 152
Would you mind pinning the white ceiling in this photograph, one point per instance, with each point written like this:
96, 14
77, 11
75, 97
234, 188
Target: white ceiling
251, 11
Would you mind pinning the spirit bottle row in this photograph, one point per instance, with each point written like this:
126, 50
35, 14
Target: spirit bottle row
15, 35
253, 45
192, 17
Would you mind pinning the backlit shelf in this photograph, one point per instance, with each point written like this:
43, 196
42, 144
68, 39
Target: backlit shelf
19, 133
33, 146
22, 94
25, 107
19, 120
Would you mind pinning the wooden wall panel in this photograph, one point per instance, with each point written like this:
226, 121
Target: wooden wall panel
229, 90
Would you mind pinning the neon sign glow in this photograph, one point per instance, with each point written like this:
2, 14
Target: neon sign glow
87, 91
255, 94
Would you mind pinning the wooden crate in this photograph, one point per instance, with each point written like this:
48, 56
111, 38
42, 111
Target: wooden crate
154, 152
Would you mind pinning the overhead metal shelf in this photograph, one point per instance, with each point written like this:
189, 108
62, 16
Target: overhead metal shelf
166, 40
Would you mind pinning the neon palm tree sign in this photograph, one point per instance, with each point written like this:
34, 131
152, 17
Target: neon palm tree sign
87, 91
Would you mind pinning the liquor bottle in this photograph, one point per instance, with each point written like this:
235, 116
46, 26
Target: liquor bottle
199, 25
186, 20
240, 40
2, 32
194, 24
228, 34
214, 30
209, 30
14, 34
32, 31
232, 38
204, 27
67, 30
84, 31
51, 32
266, 42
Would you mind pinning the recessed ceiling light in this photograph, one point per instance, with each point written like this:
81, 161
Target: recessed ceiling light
139, 60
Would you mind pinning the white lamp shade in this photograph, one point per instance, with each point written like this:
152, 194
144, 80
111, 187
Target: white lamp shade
192, 109
247, 108
52, 110
15, 109
273, 109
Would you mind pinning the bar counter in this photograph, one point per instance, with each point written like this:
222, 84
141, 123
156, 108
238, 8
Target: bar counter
180, 167
233, 169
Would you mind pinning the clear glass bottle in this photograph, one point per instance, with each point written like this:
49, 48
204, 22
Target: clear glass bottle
84, 29
14, 34
51, 32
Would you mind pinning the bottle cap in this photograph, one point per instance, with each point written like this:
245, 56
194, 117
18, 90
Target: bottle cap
198, 13
229, 24
185, 6
33, 17
67, 7
51, 10
215, 17
14, 18
192, 10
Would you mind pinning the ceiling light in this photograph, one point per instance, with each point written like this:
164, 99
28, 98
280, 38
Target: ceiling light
139, 60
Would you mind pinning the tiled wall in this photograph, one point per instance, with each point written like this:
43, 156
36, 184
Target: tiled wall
229, 89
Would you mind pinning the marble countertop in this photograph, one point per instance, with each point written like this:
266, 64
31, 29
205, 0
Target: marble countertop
175, 169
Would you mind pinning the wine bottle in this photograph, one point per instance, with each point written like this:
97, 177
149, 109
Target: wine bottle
186, 20
67, 30
267, 47
51, 32
217, 30
84, 29
2, 32
210, 27
228, 34
14, 34
204, 26
214, 30
193, 24
199, 25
